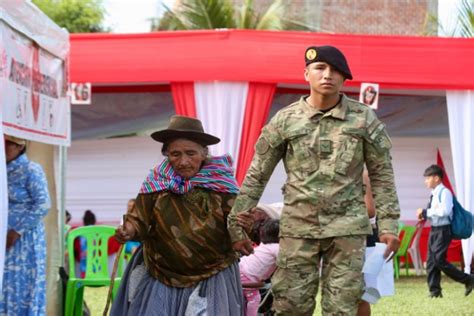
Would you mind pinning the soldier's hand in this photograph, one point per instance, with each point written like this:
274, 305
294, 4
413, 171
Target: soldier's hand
243, 246
246, 221
392, 242
125, 232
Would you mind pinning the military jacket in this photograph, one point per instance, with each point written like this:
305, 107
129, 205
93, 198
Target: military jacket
324, 156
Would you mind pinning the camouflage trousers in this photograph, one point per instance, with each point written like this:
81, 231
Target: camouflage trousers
296, 281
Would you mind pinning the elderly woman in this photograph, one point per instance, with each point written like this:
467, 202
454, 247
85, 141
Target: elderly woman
186, 265
24, 279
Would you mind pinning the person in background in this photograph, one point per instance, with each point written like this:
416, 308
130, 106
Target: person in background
24, 279
258, 267
439, 212
88, 219
67, 226
259, 215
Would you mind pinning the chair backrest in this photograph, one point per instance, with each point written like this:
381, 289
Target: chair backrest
96, 237
406, 234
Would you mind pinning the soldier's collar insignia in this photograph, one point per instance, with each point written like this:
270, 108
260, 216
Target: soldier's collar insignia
311, 54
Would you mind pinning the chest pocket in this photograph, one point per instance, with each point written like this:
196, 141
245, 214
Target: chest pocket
299, 150
349, 150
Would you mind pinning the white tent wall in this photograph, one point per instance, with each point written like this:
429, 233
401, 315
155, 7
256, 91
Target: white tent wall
103, 174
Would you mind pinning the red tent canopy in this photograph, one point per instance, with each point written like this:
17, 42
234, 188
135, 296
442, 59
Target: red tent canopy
395, 62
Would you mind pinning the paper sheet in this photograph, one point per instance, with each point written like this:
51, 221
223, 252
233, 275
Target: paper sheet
378, 274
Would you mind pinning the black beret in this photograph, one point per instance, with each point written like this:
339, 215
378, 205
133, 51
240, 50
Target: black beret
330, 55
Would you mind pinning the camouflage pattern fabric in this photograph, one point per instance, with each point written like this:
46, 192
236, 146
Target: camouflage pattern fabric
324, 156
184, 236
296, 281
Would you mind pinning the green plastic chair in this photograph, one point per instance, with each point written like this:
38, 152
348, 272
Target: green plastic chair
408, 232
97, 272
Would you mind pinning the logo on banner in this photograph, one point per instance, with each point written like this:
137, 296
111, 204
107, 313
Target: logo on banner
81, 93
369, 94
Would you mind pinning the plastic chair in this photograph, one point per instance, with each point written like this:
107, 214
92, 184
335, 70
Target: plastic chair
97, 271
408, 232
414, 250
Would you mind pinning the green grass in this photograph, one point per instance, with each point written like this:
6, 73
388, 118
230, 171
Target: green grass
411, 298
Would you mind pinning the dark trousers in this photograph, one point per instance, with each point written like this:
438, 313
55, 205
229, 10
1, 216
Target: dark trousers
439, 240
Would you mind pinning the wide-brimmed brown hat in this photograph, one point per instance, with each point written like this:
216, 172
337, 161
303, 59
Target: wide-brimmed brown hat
185, 127
16, 140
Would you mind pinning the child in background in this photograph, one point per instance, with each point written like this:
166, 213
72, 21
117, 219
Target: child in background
259, 266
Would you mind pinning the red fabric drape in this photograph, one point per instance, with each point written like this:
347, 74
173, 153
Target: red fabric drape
439, 162
183, 98
257, 107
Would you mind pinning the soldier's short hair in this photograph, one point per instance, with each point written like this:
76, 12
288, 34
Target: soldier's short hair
434, 170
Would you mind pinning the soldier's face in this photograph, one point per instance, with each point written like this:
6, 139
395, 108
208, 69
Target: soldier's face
186, 157
323, 78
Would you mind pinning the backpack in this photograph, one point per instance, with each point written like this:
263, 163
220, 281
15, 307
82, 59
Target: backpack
461, 220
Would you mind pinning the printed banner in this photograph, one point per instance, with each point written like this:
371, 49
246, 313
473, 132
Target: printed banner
369, 94
33, 90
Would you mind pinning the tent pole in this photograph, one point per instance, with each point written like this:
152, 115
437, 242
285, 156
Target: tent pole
62, 214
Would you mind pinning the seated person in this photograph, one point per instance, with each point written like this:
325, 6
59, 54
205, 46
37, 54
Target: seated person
259, 266
260, 214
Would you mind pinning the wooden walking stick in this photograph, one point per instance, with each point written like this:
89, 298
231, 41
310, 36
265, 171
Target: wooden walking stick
112, 280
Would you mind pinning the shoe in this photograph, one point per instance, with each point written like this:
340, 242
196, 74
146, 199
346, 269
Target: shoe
435, 295
469, 286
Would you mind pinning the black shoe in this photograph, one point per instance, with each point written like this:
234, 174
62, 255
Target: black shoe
435, 295
469, 286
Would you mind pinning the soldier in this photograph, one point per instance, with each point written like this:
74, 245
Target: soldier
324, 140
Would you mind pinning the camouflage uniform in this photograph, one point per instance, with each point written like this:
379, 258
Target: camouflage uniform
324, 156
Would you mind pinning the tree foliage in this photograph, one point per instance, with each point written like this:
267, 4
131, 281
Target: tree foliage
215, 14
77, 16
463, 26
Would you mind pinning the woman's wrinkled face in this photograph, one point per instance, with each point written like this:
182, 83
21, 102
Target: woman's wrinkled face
12, 150
186, 157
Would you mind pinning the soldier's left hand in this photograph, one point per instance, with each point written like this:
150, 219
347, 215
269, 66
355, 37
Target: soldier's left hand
246, 221
392, 242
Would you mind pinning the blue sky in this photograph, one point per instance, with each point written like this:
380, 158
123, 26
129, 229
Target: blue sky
131, 16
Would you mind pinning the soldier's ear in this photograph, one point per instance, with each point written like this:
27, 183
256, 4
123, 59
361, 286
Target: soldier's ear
306, 73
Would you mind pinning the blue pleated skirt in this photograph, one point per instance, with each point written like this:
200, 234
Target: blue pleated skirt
141, 294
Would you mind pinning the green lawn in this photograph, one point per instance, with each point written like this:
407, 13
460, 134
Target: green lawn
411, 299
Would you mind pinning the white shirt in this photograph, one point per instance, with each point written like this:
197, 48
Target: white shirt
441, 208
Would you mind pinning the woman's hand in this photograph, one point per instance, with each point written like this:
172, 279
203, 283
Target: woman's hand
12, 237
125, 232
243, 246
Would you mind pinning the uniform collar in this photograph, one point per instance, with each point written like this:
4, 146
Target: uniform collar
339, 111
